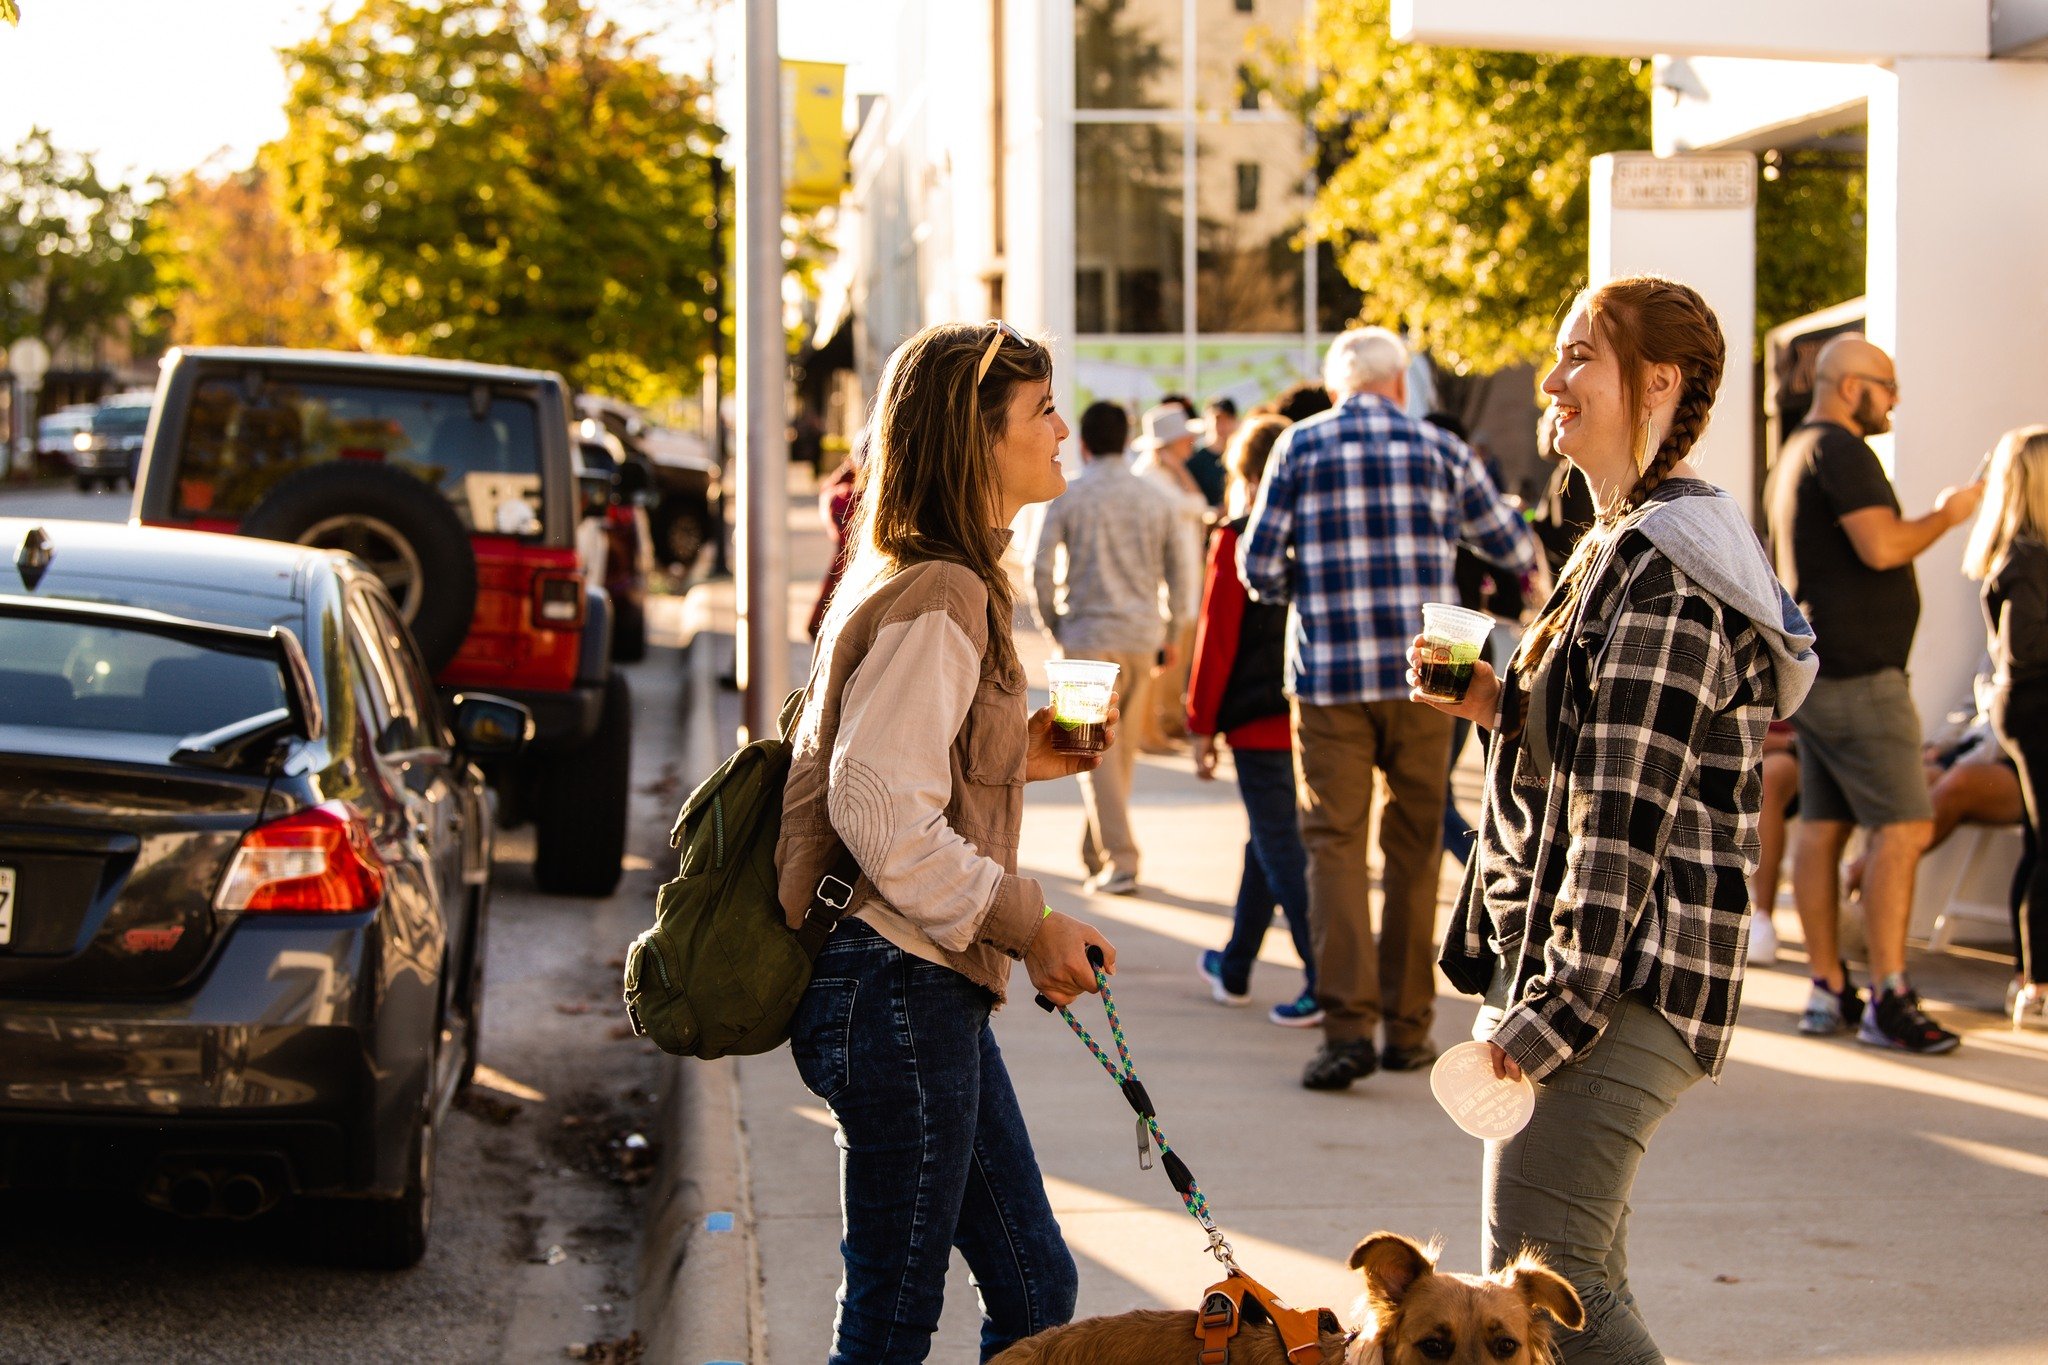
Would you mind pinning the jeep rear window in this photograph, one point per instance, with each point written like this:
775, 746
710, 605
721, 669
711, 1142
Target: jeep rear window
238, 443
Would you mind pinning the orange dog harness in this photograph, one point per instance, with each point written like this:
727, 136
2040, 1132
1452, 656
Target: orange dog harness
1237, 1298
1224, 1310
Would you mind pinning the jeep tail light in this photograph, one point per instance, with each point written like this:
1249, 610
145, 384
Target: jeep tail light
316, 861
558, 601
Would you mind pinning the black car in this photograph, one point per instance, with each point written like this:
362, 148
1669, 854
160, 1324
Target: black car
244, 880
107, 451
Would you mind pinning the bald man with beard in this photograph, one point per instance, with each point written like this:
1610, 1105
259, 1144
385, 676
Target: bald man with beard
1846, 552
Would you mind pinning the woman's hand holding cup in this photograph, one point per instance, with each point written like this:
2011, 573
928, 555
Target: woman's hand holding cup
1481, 703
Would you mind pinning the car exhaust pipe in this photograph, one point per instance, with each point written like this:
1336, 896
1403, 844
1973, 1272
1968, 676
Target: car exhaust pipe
243, 1196
190, 1194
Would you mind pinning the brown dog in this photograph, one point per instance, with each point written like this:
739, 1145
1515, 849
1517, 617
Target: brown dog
1418, 1317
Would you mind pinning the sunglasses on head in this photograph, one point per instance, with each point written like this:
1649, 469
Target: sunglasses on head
995, 343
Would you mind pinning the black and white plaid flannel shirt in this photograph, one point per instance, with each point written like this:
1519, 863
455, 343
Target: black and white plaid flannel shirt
1625, 865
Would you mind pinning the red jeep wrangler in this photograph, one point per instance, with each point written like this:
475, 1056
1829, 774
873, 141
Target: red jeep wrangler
456, 483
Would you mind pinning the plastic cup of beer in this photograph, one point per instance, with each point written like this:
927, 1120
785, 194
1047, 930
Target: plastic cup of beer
1452, 641
1081, 689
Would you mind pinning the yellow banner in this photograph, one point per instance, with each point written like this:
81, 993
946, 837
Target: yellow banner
813, 134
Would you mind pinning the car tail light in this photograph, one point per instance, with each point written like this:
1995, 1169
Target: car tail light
558, 601
316, 861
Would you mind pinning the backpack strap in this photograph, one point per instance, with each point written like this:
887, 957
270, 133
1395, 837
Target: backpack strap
832, 897
830, 900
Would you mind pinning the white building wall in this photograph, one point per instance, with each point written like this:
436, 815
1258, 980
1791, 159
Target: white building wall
1959, 296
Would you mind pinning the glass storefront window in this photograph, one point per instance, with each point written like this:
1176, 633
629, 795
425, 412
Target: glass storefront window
1127, 54
1127, 228
1249, 204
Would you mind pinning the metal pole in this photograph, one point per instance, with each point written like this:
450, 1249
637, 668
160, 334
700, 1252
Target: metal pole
763, 597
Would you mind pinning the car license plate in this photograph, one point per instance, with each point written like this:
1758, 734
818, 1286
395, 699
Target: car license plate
6, 905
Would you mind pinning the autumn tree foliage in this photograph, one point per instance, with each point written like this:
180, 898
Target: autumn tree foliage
232, 272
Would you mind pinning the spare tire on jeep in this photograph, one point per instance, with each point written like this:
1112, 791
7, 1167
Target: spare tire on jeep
396, 523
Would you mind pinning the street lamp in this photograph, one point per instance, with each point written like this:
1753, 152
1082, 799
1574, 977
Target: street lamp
761, 359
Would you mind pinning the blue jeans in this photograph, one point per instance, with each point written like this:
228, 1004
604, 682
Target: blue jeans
1275, 866
932, 1154
1459, 836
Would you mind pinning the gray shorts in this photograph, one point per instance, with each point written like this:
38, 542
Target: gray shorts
1859, 752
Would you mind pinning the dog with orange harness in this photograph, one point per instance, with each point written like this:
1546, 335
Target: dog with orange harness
1414, 1314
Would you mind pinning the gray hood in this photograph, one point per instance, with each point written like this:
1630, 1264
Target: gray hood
1711, 542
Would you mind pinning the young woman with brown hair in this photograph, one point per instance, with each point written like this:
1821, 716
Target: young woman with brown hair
912, 751
1605, 916
1237, 688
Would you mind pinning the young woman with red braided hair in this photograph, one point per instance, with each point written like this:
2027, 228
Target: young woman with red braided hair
1606, 915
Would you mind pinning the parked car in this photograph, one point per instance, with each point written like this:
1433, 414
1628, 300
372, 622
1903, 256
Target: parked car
620, 553
107, 451
684, 473
456, 484
57, 436
244, 880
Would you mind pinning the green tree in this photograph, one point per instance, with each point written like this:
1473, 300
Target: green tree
231, 272
72, 259
508, 182
1455, 187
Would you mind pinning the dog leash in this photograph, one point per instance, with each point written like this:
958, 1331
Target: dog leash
1149, 1134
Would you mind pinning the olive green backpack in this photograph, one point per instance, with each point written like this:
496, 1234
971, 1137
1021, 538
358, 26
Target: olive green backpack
721, 972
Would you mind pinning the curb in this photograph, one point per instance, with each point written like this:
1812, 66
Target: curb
699, 1293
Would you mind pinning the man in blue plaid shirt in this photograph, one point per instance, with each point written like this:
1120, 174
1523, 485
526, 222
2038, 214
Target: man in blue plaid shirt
1357, 524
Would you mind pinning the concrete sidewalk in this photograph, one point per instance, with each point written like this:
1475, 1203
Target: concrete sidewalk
1825, 1200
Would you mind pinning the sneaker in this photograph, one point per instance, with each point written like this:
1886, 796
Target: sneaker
1300, 1012
1830, 1012
1896, 1021
1210, 964
1336, 1065
1415, 1058
2027, 1005
1112, 883
1763, 939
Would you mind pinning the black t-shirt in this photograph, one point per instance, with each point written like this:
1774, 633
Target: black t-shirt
1863, 618
1205, 467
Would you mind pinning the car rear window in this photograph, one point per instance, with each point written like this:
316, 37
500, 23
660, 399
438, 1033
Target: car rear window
239, 441
129, 419
88, 675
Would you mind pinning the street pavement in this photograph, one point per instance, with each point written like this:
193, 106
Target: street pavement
1823, 1201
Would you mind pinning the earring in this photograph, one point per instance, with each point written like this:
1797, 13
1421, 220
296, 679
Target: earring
1647, 451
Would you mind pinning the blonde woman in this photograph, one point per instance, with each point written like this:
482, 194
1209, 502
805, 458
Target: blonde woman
2008, 553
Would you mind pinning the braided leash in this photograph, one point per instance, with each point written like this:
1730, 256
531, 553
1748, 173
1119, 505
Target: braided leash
1149, 1134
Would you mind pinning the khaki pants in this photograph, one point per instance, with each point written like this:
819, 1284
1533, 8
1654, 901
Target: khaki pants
1337, 750
1106, 792
1162, 726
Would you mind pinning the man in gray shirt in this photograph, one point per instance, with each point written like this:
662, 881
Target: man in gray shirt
1108, 547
